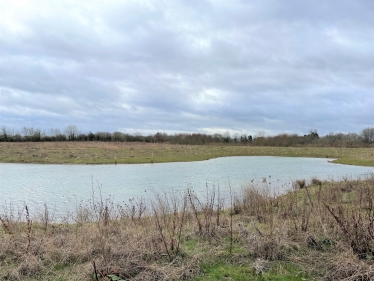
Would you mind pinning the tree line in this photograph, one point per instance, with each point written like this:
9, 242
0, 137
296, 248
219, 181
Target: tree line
71, 133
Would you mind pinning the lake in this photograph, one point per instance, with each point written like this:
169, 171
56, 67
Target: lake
65, 186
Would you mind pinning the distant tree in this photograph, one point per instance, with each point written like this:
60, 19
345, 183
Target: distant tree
28, 133
158, 138
90, 136
140, 138
312, 137
54, 132
235, 137
61, 137
17, 137
81, 137
367, 135
217, 138
10, 134
243, 138
313, 133
71, 132
148, 138
4, 134
352, 138
117, 136
250, 138
103, 136
226, 137
36, 136
260, 138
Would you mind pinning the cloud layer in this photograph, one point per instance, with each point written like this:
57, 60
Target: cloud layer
194, 66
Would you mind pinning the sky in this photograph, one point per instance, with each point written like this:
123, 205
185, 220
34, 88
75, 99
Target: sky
207, 66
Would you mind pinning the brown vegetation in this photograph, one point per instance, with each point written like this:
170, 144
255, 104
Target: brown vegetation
326, 229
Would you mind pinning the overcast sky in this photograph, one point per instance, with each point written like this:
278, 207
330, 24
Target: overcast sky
270, 66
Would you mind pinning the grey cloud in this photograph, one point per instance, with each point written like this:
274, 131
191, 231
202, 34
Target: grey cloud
192, 65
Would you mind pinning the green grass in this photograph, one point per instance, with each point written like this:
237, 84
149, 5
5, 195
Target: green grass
280, 271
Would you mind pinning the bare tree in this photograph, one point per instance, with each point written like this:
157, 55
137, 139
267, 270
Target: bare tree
37, 135
4, 134
28, 133
235, 137
54, 132
226, 137
368, 135
71, 132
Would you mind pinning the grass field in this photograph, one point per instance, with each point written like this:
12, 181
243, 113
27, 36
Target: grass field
131, 153
323, 231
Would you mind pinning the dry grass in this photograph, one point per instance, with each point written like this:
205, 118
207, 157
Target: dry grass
325, 229
117, 152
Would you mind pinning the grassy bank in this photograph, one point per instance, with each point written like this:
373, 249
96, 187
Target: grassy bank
323, 231
116, 153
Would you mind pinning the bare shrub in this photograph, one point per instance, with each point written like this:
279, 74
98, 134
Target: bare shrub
31, 267
10, 218
204, 210
254, 201
357, 228
170, 214
268, 246
6, 224
349, 269
134, 210
315, 181
301, 183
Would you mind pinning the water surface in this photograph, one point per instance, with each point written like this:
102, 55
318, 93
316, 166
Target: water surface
64, 186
